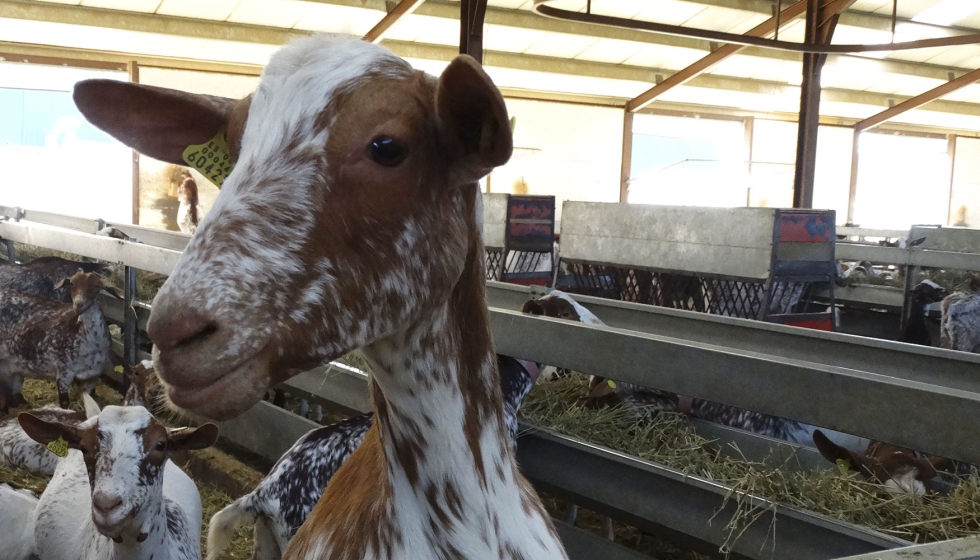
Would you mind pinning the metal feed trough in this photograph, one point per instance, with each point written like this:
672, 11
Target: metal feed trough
753, 263
519, 238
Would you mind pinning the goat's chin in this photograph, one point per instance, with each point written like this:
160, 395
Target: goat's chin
112, 529
222, 398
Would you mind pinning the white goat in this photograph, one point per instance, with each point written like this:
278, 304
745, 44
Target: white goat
117, 466
48, 339
16, 523
19, 451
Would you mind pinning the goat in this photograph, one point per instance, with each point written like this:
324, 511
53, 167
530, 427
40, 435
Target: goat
285, 498
40, 276
646, 401
343, 132
187, 212
900, 470
959, 328
19, 451
17, 509
919, 298
118, 467
43, 338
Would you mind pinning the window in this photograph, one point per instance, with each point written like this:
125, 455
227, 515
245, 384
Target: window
53, 159
688, 161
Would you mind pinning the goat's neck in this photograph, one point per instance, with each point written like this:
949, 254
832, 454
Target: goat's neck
450, 470
152, 520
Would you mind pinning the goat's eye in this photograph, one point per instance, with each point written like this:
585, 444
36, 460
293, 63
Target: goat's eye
161, 445
386, 151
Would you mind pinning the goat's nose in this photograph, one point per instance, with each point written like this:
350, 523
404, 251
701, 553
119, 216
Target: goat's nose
105, 502
171, 328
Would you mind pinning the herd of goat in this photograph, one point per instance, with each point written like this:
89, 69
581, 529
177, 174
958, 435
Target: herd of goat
141, 503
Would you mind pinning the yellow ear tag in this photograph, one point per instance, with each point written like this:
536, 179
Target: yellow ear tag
611, 383
118, 369
59, 447
211, 159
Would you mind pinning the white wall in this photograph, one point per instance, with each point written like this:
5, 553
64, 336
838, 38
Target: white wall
570, 151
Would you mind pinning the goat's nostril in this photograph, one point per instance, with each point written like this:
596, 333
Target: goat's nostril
205, 332
172, 332
105, 502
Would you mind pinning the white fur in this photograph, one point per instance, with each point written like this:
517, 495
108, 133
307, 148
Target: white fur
584, 314
905, 484
16, 523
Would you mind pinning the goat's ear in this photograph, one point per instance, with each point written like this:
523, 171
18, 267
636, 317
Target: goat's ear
600, 387
472, 120
114, 291
942, 464
533, 307
91, 407
194, 438
45, 432
158, 122
62, 282
833, 452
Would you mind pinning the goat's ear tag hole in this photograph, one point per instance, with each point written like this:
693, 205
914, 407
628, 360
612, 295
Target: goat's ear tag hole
611, 383
59, 447
211, 159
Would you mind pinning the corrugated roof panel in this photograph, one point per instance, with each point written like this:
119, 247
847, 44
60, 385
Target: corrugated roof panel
672, 12
339, 19
667, 58
212, 9
509, 39
561, 45
277, 13
718, 19
509, 4
742, 66
72, 2
956, 56
620, 8
903, 85
128, 5
908, 8
612, 51
918, 55
425, 29
851, 72
751, 21
793, 31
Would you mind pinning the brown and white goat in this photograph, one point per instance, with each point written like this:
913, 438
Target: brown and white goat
350, 220
47, 339
40, 276
188, 211
900, 470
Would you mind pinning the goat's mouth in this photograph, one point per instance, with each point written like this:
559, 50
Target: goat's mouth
112, 526
224, 394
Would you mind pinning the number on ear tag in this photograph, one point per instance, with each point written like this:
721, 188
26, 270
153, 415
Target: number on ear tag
211, 159
59, 447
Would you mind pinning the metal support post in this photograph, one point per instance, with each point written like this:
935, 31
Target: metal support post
130, 326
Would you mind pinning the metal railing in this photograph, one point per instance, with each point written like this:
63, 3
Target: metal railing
827, 379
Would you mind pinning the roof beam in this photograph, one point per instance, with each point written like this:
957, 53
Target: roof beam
701, 66
400, 10
918, 101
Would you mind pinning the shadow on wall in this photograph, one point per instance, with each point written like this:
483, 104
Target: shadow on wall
158, 193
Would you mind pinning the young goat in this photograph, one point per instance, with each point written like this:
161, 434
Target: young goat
350, 220
916, 330
47, 339
646, 401
285, 498
17, 509
959, 328
19, 451
142, 506
187, 212
40, 276
901, 470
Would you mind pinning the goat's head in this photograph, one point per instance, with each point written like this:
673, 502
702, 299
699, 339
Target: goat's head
560, 305
187, 191
350, 212
85, 288
125, 450
901, 470
928, 292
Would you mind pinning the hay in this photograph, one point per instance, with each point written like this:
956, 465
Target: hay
668, 439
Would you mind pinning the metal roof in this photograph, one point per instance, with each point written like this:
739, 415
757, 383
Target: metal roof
528, 52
